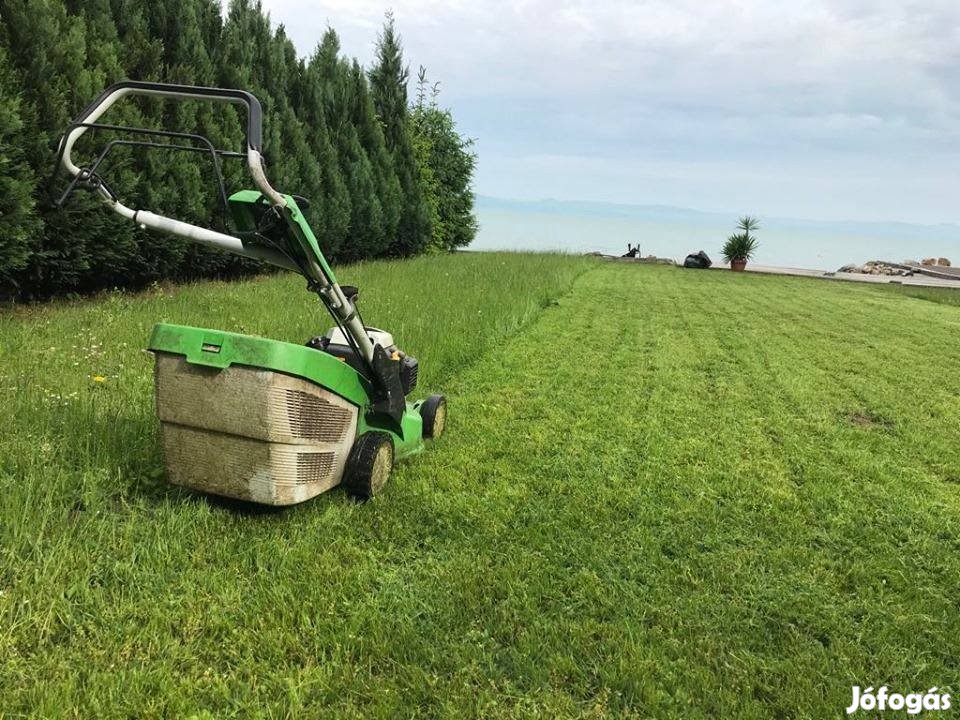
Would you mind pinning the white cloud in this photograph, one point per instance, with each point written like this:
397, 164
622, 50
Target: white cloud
735, 84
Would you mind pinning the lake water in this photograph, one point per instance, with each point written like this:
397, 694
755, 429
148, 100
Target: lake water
675, 232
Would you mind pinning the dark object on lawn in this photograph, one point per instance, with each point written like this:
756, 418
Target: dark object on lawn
700, 261
632, 252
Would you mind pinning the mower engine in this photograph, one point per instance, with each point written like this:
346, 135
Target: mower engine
335, 343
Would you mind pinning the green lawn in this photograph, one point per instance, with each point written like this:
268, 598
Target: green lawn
663, 493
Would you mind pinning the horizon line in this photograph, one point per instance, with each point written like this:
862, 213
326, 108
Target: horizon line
614, 204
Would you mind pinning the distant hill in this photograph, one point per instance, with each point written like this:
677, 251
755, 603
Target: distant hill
660, 213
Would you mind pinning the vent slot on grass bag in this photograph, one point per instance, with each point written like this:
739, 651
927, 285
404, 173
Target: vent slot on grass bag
314, 466
314, 418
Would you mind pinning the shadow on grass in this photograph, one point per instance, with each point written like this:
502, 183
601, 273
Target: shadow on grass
243, 508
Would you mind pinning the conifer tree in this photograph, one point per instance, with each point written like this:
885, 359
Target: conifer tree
430, 189
370, 136
447, 164
365, 234
340, 94
388, 81
318, 93
52, 65
17, 220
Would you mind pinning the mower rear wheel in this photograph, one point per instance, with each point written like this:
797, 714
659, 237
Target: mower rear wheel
433, 411
369, 465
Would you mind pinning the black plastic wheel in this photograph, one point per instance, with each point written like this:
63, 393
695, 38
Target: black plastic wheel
368, 467
433, 410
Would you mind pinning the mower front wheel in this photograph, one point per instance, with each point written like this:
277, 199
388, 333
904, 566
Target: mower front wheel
433, 411
369, 465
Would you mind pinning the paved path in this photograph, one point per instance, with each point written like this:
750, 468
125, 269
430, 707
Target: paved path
913, 280
916, 280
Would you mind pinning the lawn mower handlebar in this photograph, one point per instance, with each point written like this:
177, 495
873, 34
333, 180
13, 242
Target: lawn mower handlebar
312, 264
125, 88
180, 92
92, 113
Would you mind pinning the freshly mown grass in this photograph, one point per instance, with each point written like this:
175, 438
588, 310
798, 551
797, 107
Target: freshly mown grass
671, 494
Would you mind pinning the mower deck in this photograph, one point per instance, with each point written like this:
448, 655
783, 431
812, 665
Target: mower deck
263, 420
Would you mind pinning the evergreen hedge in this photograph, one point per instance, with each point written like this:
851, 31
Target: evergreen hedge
383, 178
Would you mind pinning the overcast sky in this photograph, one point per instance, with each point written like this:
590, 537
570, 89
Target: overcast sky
824, 109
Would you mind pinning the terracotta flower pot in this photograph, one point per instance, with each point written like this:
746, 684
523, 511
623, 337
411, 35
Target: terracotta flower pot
738, 264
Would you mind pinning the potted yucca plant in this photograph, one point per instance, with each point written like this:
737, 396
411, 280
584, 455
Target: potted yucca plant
741, 246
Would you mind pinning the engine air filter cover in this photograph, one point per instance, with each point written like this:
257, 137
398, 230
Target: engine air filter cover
409, 370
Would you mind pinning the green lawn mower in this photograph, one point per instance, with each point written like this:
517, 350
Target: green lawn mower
247, 417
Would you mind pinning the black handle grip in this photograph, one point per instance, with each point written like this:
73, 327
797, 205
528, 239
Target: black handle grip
189, 92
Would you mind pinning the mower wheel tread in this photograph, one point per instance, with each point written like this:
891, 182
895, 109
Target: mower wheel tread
369, 465
433, 411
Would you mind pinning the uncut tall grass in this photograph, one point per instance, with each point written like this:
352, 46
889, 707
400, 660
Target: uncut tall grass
76, 383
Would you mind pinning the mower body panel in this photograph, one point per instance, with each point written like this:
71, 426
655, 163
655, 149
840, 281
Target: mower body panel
243, 206
221, 349
262, 420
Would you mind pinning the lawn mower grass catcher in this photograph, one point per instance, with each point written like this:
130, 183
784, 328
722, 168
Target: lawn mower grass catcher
247, 417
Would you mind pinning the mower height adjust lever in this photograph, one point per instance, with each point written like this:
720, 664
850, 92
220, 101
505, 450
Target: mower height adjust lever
88, 180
